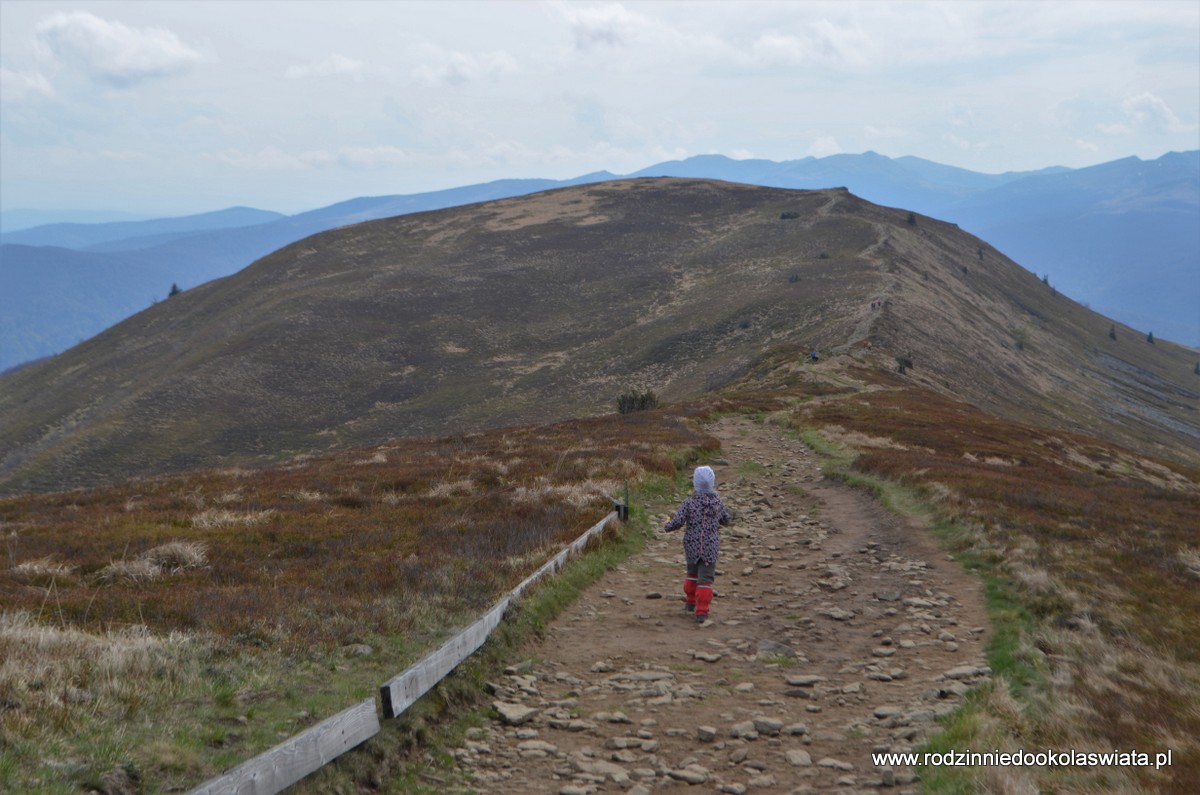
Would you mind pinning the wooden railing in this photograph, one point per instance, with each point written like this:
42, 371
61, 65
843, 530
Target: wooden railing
312, 749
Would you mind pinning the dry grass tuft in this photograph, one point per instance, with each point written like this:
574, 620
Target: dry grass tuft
129, 572
216, 518
174, 557
452, 488
43, 570
378, 458
178, 556
858, 440
48, 673
1189, 556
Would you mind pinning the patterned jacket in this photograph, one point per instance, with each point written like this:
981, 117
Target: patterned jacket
703, 514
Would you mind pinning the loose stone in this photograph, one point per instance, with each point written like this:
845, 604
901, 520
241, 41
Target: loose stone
799, 757
835, 764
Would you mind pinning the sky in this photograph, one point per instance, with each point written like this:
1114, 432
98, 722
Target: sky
170, 108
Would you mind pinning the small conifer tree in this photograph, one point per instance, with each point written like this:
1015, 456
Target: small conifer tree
174, 290
1112, 332
1150, 337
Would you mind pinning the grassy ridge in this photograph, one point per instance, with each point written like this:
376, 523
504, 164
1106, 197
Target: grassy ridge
159, 631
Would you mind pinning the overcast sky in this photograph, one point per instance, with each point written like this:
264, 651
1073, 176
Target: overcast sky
194, 105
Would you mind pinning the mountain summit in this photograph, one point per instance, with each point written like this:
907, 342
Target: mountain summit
551, 305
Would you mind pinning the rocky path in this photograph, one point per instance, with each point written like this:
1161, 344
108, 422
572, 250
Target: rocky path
837, 630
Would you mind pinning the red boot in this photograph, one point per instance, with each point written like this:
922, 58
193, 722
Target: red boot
689, 591
704, 595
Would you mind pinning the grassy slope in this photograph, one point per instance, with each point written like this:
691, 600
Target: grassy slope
538, 308
113, 668
1095, 608
547, 306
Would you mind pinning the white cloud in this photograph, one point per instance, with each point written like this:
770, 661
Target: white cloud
373, 156
1086, 146
871, 131
777, 49
824, 147
17, 86
847, 44
123, 156
335, 64
271, 158
962, 143
1150, 110
266, 159
604, 24
114, 53
451, 67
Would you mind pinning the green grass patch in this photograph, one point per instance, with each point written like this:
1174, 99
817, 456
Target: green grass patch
750, 469
836, 458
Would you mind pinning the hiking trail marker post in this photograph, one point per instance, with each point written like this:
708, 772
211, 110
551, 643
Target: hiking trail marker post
622, 508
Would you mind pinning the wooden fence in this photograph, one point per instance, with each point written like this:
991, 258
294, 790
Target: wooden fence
312, 749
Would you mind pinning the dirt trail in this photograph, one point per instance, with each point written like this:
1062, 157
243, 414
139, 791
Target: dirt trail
838, 629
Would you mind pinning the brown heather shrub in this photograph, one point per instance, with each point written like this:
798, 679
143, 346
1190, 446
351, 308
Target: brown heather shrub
294, 553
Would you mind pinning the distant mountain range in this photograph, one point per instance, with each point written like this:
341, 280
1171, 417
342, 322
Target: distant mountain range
15, 220
1123, 237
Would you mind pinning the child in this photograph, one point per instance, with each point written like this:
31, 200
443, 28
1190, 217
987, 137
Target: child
703, 513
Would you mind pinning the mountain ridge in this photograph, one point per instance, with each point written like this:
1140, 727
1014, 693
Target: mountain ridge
548, 306
1075, 250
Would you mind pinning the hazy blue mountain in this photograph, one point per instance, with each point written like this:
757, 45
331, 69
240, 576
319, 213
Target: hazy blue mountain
908, 182
77, 294
1122, 236
14, 220
82, 236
